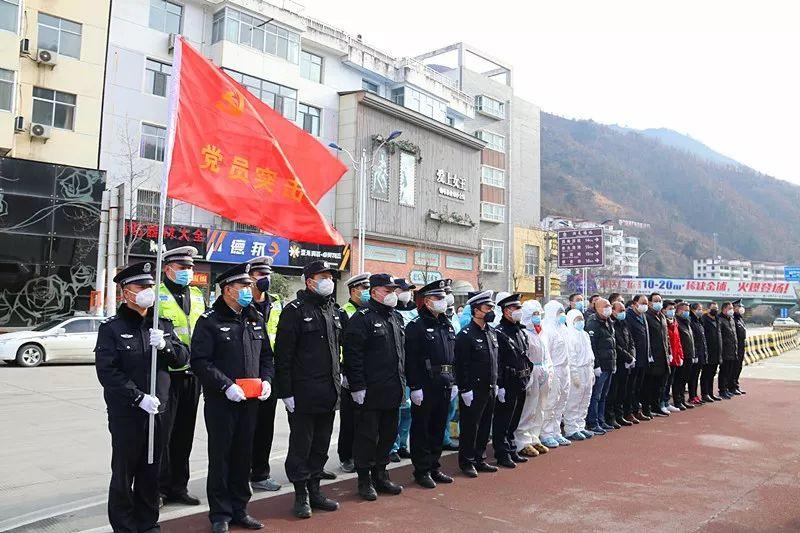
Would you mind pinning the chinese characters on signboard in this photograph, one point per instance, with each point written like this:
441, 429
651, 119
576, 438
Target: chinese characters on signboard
146, 237
451, 185
580, 248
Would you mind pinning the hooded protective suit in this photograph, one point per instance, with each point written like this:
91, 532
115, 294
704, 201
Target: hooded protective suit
581, 369
532, 418
554, 341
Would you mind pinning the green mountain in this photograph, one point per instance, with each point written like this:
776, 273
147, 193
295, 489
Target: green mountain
599, 172
682, 142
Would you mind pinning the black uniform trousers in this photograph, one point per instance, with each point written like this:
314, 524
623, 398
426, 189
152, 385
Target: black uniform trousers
309, 440
694, 377
635, 385
427, 422
133, 492
262, 439
179, 422
727, 371
475, 425
737, 371
346, 430
707, 379
374, 433
230, 427
653, 391
505, 422
617, 400
680, 381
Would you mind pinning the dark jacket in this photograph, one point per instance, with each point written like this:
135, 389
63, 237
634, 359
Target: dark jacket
374, 355
626, 349
713, 338
741, 336
604, 344
123, 357
476, 357
307, 353
430, 343
513, 365
227, 346
727, 328
637, 325
687, 339
659, 342
699, 334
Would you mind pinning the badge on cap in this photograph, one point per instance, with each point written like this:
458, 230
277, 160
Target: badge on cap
146, 268
441, 284
247, 268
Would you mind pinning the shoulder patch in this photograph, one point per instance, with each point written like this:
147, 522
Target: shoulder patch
364, 310
208, 313
109, 319
295, 304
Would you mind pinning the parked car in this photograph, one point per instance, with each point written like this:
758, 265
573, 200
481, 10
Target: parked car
63, 340
785, 323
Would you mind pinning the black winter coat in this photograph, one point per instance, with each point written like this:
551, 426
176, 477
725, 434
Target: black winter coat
637, 325
741, 336
727, 329
604, 345
687, 340
513, 365
713, 338
626, 350
699, 334
659, 343
476, 358
430, 343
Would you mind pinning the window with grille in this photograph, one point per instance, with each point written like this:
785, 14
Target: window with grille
531, 260
153, 142
147, 206
492, 252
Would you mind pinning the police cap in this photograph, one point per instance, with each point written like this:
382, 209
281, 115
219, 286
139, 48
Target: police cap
138, 273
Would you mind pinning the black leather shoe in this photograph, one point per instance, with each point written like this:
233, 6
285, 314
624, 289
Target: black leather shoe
382, 483
506, 462
184, 499
450, 447
365, 488
614, 424
328, 475
425, 481
404, 453
439, 477
687, 405
735, 392
160, 501
517, 458
469, 471
247, 522
394, 457
622, 422
219, 527
740, 391
301, 507
716, 398
318, 500
486, 467
707, 399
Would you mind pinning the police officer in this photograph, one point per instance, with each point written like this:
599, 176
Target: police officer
182, 304
230, 343
741, 336
358, 287
373, 364
430, 356
513, 374
476, 376
122, 360
307, 381
260, 272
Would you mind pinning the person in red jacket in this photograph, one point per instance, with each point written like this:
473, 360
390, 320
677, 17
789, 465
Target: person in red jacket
677, 352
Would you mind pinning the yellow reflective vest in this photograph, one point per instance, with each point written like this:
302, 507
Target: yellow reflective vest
169, 308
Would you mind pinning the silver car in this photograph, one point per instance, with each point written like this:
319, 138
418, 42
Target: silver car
64, 340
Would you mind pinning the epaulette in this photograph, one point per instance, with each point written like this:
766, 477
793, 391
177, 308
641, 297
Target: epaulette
364, 310
295, 304
414, 319
109, 319
208, 313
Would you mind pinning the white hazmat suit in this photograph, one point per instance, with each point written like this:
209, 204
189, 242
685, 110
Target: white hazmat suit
554, 339
581, 369
532, 418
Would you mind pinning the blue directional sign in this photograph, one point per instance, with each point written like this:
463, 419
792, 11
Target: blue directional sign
791, 273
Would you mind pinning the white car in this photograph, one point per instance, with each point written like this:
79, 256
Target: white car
784, 323
64, 340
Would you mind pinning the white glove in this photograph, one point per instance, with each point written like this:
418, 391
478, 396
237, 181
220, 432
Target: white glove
453, 392
501, 395
695, 360
598, 372
359, 396
289, 403
345, 384
266, 390
157, 338
681, 363
495, 389
628, 366
149, 404
669, 358
467, 397
416, 397
235, 393
614, 371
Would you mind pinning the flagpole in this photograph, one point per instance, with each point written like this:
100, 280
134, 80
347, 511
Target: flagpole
162, 208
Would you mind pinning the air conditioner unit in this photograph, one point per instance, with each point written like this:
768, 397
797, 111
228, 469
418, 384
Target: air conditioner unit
40, 131
171, 42
25, 47
46, 57
19, 123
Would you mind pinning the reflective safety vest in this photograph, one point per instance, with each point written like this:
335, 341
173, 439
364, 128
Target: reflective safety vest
349, 308
171, 309
274, 317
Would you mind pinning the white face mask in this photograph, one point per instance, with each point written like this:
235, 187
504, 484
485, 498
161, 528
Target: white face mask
324, 287
404, 297
439, 306
390, 300
450, 299
146, 298
516, 315
642, 308
606, 312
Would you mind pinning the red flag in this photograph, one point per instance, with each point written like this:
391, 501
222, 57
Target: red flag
233, 155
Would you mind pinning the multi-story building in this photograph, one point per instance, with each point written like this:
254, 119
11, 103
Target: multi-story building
738, 269
535, 261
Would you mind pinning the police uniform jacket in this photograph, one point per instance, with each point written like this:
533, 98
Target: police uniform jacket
713, 332
476, 357
604, 343
374, 355
307, 353
659, 342
699, 334
227, 346
687, 340
624, 346
741, 335
637, 325
430, 351
123, 357
727, 329
513, 365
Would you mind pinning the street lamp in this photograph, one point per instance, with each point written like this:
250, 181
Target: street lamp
361, 166
640, 260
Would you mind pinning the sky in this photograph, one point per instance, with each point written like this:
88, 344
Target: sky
726, 72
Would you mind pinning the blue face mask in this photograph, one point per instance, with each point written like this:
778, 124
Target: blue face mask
364, 296
562, 319
657, 306
245, 296
536, 320
670, 313
578, 325
183, 277
685, 315
580, 306
621, 315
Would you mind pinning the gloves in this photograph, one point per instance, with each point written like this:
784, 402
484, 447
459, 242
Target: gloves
695, 360
359, 396
630, 365
266, 390
235, 393
467, 397
669, 358
598, 372
289, 403
157, 339
614, 371
149, 404
345, 384
453, 392
416, 397
501, 395
681, 363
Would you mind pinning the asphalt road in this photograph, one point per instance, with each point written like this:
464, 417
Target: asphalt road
731, 466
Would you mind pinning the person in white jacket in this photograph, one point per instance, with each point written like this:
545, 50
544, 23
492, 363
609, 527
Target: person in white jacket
554, 340
581, 369
530, 422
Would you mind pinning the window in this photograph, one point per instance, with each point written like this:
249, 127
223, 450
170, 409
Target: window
398, 96
380, 175
166, 16
490, 106
531, 259
59, 35
492, 255
238, 27
6, 89
408, 171
147, 206
281, 99
425, 104
308, 118
53, 108
493, 176
311, 66
154, 140
493, 212
156, 76
9, 13
369, 86
79, 326
494, 141
232, 225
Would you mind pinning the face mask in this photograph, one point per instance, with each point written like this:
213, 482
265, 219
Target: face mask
536, 320
729, 312
489, 317
670, 313
145, 298
578, 324
685, 315
606, 312
439, 306
657, 306
562, 319
621, 315
390, 300
712, 311
642, 308
516, 315
183, 277
244, 297
698, 313
450, 299
405, 297
741, 310
324, 287
263, 284
364, 296
580, 306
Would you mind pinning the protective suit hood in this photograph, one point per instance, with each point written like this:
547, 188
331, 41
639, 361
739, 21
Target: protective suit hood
528, 308
551, 310
572, 315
